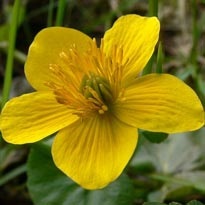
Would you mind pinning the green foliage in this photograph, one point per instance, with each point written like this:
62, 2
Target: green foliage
175, 166
160, 58
193, 202
49, 186
153, 203
154, 137
174, 203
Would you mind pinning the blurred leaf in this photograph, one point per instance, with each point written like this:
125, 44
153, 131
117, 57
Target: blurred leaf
173, 189
126, 5
196, 178
194, 202
154, 137
12, 174
9, 154
160, 58
153, 203
177, 192
176, 154
21, 16
175, 161
47, 185
5, 27
4, 30
183, 74
157, 195
179, 186
198, 139
174, 203
19, 56
201, 84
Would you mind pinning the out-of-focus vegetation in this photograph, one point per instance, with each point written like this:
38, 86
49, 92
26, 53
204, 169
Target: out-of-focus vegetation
173, 170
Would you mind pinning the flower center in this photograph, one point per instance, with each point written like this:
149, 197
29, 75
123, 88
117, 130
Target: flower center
96, 87
88, 82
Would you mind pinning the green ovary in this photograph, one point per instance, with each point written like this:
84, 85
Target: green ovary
96, 87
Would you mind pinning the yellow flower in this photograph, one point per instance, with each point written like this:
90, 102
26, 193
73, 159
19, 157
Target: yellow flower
96, 99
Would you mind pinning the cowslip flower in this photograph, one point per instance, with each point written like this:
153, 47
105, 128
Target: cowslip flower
95, 97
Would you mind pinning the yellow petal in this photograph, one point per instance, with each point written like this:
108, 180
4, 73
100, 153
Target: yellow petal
94, 152
46, 49
161, 103
137, 37
31, 117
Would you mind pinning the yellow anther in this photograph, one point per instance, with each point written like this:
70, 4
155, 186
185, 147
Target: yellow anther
104, 108
101, 112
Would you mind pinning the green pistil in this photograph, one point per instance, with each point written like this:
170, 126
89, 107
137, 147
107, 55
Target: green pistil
98, 84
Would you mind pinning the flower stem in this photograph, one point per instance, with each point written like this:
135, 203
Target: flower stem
160, 57
11, 49
60, 12
195, 34
153, 11
153, 8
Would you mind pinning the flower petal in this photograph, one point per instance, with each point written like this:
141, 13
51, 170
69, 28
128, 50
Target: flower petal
161, 103
137, 36
94, 152
45, 50
31, 117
